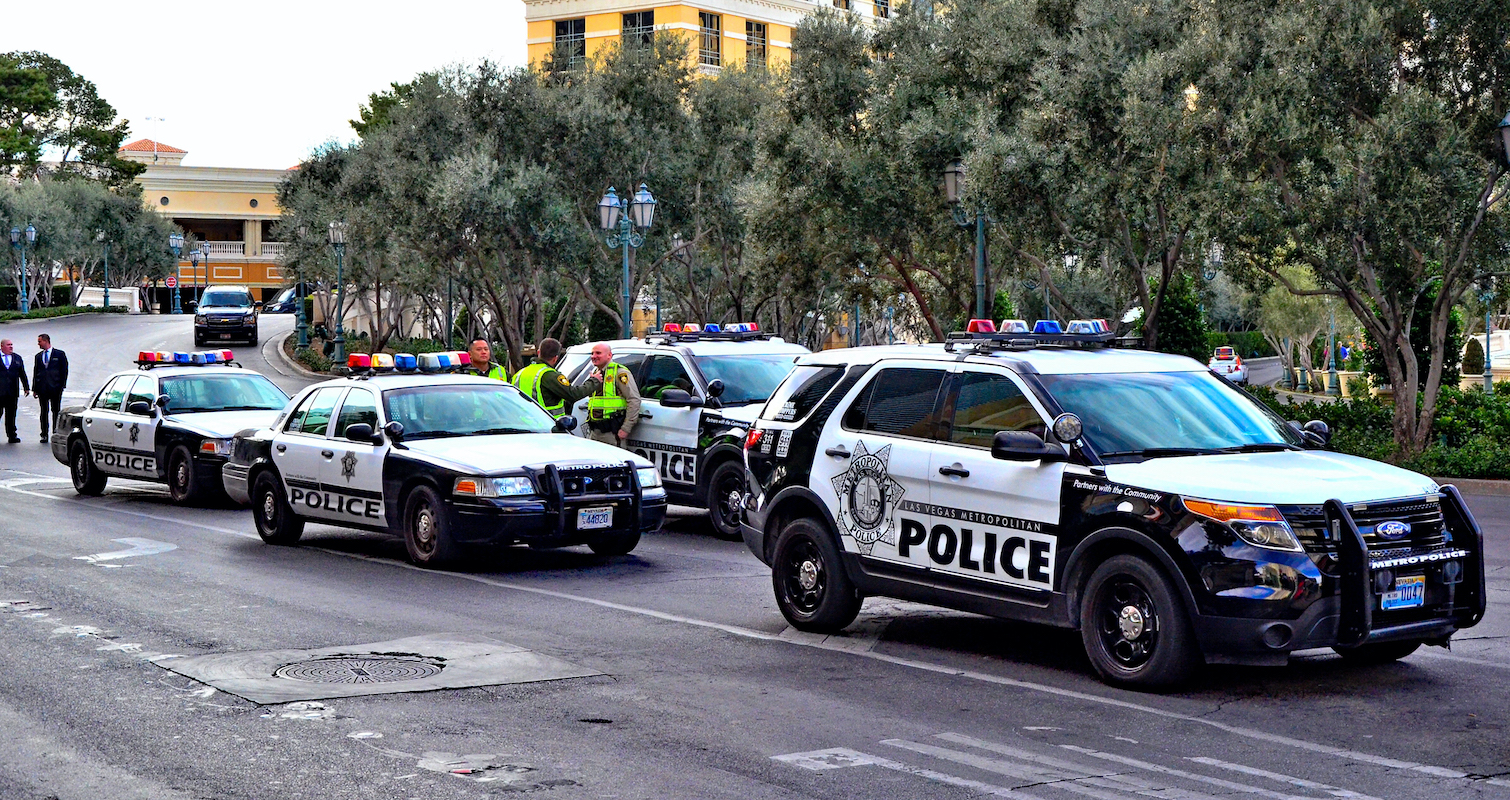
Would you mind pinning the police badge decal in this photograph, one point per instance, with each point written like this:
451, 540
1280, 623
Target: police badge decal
135, 432
349, 466
868, 497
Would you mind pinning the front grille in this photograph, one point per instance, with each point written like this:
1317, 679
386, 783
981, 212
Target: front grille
1422, 514
595, 480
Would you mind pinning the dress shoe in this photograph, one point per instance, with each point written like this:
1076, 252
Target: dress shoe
14, 440
44, 440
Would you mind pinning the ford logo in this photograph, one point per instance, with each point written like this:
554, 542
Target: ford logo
1392, 530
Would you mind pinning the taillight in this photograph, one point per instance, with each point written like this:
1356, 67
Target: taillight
753, 438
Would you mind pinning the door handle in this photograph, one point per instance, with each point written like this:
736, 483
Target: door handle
837, 451
282, 448
329, 454
643, 415
955, 470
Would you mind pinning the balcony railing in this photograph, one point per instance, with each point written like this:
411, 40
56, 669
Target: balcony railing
273, 249
225, 248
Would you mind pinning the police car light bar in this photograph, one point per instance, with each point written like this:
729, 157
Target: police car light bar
712, 332
147, 359
1014, 326
712, 327
980, 326
671, 327
1016, 340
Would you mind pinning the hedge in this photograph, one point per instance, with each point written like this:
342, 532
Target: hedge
58, 311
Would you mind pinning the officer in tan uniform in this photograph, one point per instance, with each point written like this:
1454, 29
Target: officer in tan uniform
614, 409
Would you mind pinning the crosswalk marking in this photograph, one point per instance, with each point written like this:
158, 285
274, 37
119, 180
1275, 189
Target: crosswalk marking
840, 757
1079, 782
1275, 776
1194, 776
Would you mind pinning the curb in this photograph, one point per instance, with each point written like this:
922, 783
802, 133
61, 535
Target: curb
1478, 486
283, 358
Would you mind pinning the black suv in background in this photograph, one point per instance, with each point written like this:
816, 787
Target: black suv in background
225, 313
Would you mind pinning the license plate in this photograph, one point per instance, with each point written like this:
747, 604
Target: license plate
590, 518
1410, 592
225, 336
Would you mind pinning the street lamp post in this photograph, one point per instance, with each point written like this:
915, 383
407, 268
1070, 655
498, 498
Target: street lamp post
954, 188
338, 241
303, 322
19, 243
176, 244
1487, 295
99, 236
626, 230
1333, 385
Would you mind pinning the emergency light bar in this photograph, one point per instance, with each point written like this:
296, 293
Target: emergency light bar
147, 359
711, 332
1013, 326
1047, 335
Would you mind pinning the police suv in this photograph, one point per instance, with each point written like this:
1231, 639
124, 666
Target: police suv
447, 461
170, 420
1137, 497
700, 388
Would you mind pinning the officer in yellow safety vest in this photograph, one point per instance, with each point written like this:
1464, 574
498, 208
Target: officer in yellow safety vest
542, 383
482, 358
614, 408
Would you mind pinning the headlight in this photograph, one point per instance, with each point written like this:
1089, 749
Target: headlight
219, 447
1260, 526
199, 319
511, 486
649, 478
249, 319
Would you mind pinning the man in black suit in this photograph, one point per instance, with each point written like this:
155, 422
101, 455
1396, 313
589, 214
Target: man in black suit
12, 383
49, 376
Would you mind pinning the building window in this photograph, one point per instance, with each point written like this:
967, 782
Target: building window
571, 42
844, 4
710, 49
755, 44
639, 30
883, 8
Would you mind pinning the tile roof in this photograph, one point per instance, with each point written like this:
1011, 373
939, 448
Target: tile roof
149, 146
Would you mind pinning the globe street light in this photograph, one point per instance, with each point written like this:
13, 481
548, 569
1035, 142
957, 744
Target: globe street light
99, 236
20, 244
338, 241
954, 188
176, 244
194, 260
626, 230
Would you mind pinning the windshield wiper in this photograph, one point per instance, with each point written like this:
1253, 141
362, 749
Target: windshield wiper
431, 435
1164, 452
1259, 447
247, 408
493, 431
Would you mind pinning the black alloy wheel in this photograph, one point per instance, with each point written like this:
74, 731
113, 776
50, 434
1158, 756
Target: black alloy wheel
427, 537
87, 478
276, 521
726, 499
1134, 627
812, 590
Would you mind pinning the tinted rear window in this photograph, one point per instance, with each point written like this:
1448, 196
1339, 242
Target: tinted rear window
803, 388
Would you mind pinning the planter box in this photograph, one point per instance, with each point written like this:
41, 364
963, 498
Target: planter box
1344, 376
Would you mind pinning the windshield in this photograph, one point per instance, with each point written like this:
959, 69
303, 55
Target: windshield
747, 379
432, 412
226, 299
244, 392
1149, 414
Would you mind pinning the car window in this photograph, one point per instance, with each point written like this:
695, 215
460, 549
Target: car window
110, 397
800, 392
747, 378
359, 408
430, 412
316, 419
900, 402
987, 404
664, 372
141, 391
222, 391
225, 298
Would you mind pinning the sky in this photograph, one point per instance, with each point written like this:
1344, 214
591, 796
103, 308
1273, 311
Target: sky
261, 84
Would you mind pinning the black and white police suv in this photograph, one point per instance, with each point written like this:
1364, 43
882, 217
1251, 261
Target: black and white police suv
447, 461
171, 420
1135, 496
700, 387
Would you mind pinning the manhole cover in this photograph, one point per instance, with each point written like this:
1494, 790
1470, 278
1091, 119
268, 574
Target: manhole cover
359, 669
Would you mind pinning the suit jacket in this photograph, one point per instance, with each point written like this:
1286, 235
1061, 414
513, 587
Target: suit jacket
52, 378
13, 378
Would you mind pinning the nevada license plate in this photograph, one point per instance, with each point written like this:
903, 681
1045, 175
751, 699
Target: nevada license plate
590, 518
1410, 592
225, 336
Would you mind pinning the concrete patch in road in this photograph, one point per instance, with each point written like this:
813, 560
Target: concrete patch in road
463, 661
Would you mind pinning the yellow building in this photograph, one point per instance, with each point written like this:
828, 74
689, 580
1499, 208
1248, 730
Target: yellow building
230, 210
723, 32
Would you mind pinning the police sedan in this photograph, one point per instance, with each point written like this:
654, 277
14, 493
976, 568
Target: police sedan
445, 461
170, 420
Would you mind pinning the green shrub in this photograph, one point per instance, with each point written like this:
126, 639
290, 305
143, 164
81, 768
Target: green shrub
417, 346
1473, 358
312, 359
59, 311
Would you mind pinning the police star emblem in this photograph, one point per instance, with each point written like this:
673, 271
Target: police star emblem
135, 432
868, 498
349, 465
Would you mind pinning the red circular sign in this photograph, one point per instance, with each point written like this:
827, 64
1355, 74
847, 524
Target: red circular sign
172, 282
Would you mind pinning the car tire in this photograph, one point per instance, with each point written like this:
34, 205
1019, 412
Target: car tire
87, 478
812, 589
253, 341
276, 521
427, 537
1134, 626
1378, 652
615, 544
183, 484
725, 490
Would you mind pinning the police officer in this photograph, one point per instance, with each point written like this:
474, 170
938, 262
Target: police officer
614, 409
482, 358
543, 384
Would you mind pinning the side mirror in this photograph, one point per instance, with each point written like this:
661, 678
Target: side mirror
163, 400
1024, 446
395, 430
1317, 432
362, 432
566, 424
141, 408
715, 388
679, 398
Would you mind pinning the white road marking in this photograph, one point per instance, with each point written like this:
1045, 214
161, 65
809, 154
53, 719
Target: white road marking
840, 757
923, 666
138, 547
1281, 778
1225, 784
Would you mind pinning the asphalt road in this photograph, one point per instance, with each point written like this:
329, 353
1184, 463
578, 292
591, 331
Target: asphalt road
688, 684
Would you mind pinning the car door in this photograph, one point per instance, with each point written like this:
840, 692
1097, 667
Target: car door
667, 436
136, 437
353, 477
303, 447
873, 469
103, 419
994, 520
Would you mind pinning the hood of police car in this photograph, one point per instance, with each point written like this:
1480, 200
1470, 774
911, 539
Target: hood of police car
1301, 477
488, 455
222, 424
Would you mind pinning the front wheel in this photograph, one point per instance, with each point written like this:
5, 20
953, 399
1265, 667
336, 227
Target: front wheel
615, 544
1134, 626
87, 478
811, 587
276, 521
725, 496
1378, 652
427, 535
183, 484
